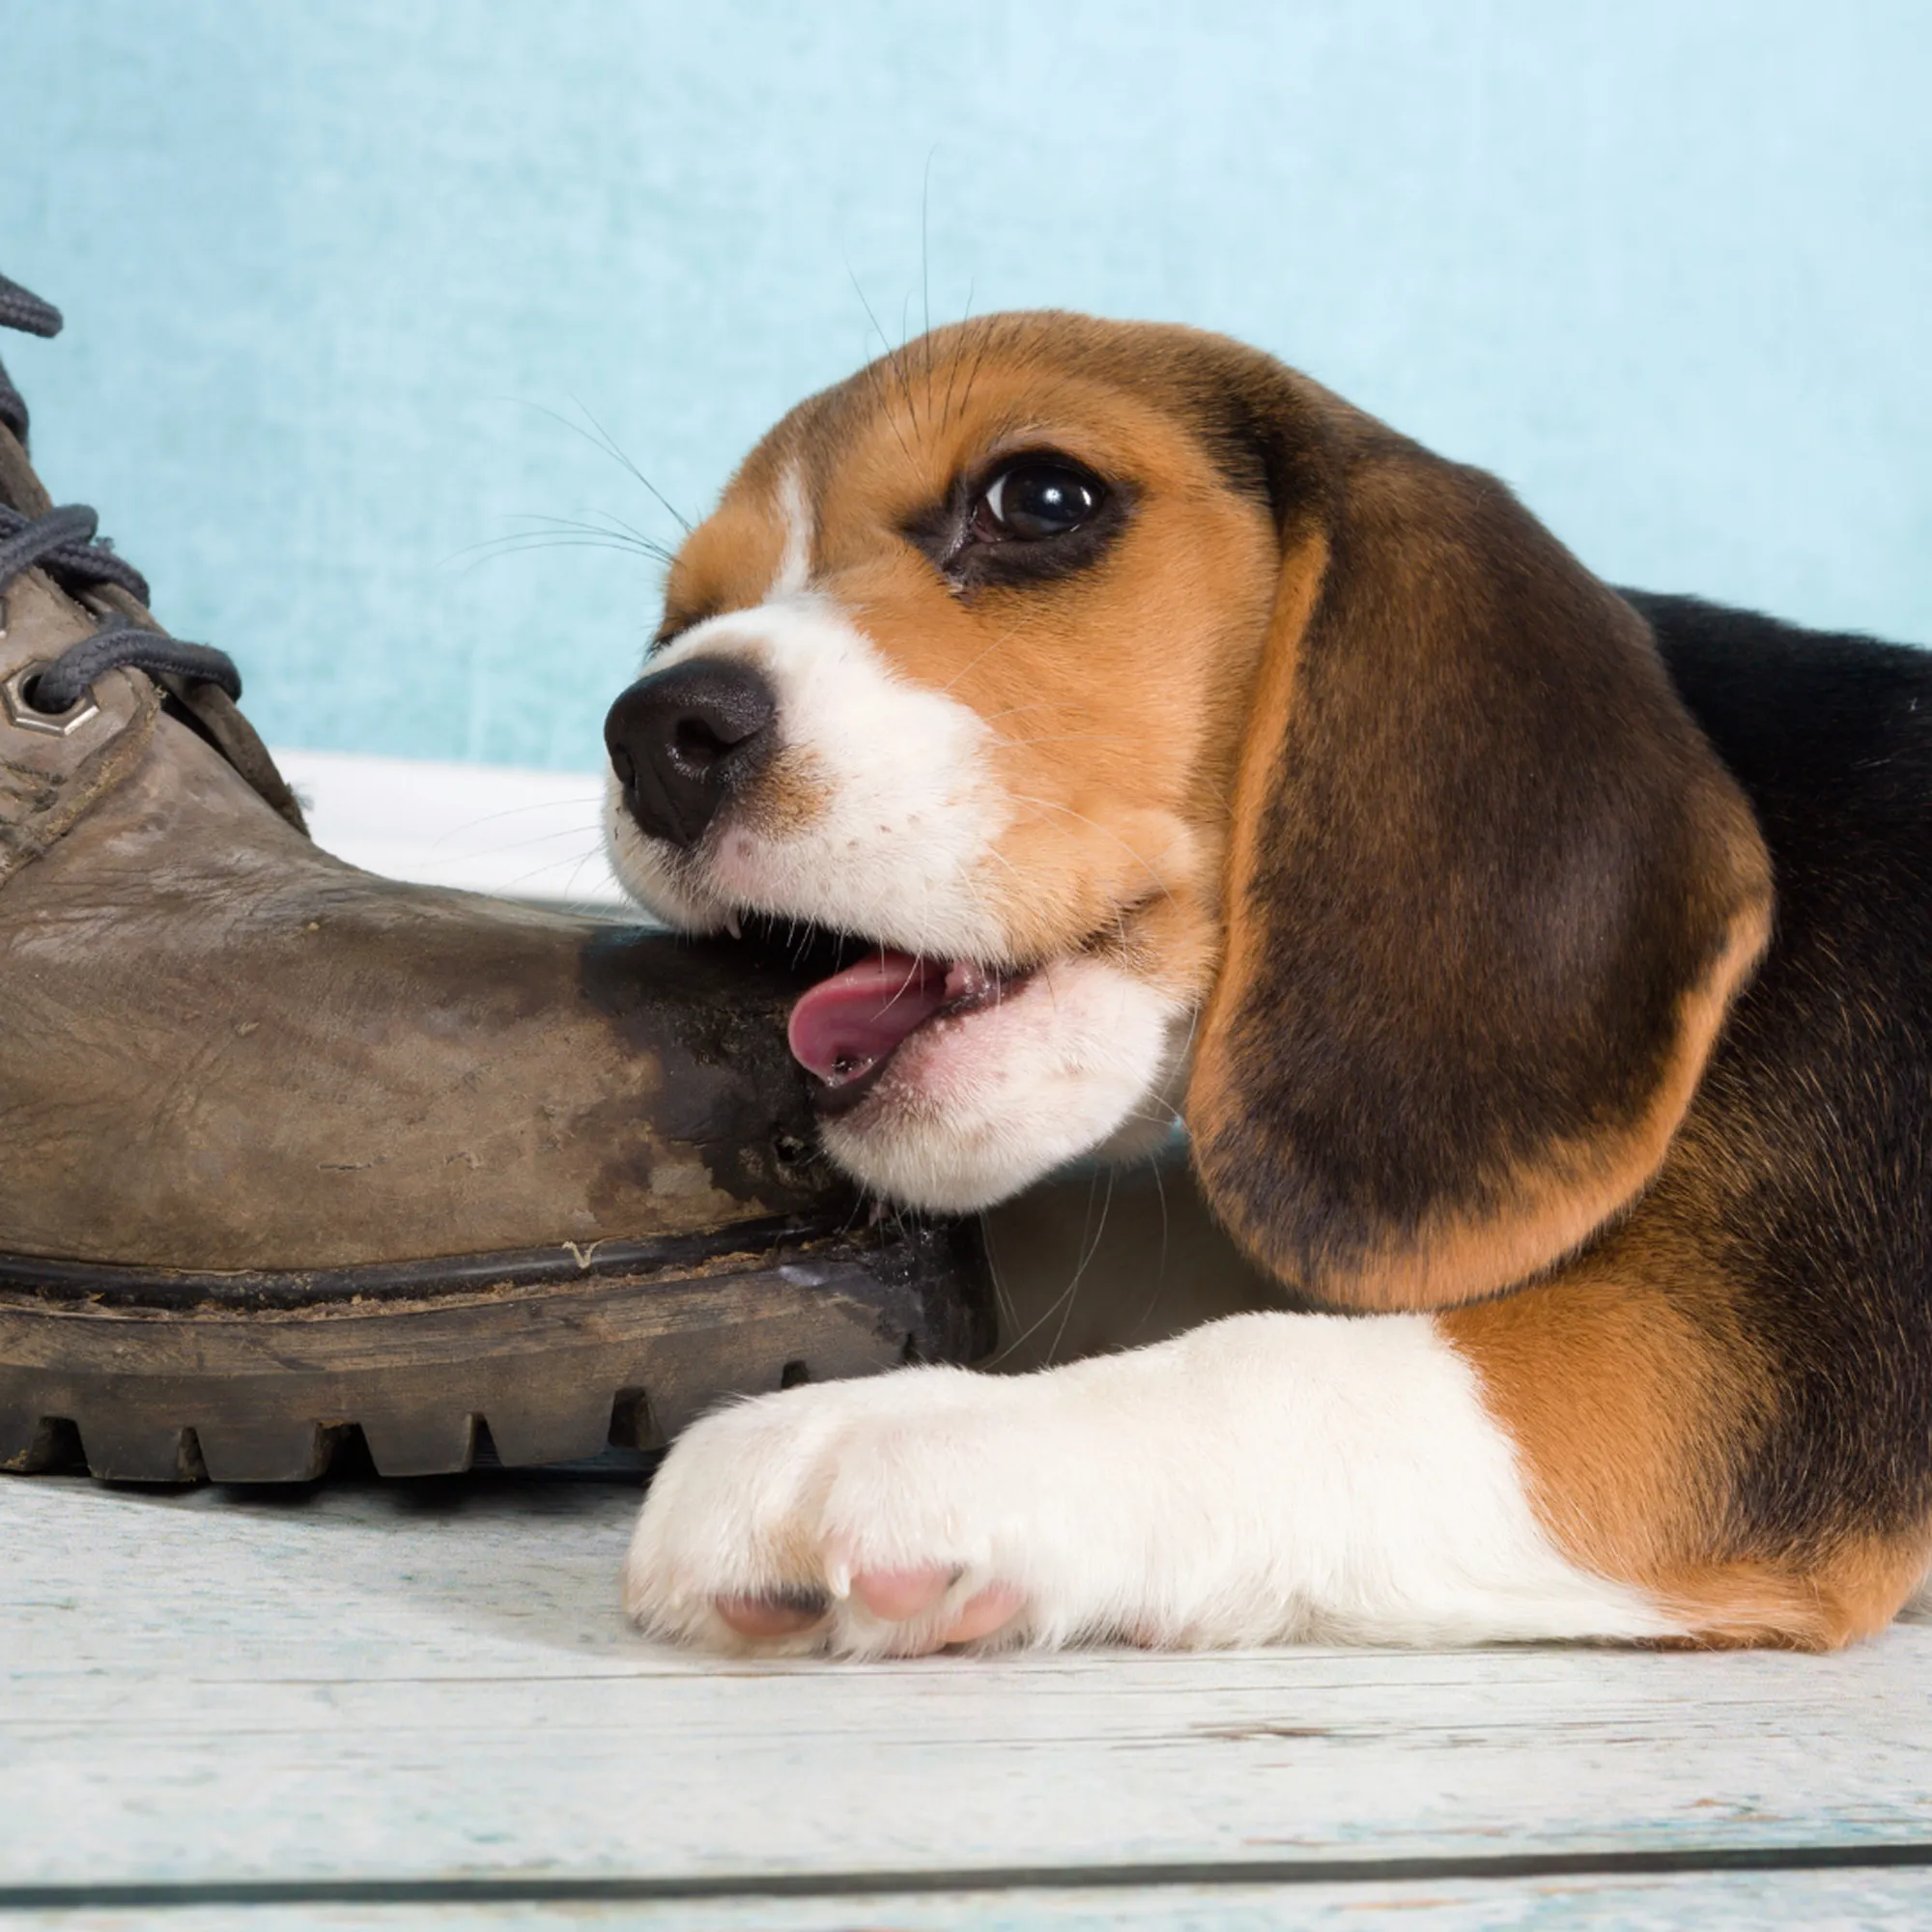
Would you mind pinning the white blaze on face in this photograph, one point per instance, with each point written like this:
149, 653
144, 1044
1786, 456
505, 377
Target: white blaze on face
794, 571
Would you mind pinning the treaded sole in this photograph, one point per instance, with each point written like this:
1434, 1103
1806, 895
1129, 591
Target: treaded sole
553, 1371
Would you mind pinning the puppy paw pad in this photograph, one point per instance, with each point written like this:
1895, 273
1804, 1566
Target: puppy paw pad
981, 1614
785, 1614
896, 1596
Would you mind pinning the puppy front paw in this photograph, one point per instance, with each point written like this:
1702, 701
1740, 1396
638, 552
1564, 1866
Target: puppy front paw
886, 1518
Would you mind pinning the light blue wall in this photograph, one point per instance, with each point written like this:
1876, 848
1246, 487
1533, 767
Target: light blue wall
1666, 265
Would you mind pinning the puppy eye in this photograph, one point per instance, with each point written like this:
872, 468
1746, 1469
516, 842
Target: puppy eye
1036, 496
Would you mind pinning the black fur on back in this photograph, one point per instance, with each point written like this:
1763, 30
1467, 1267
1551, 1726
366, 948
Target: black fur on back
1820, 1095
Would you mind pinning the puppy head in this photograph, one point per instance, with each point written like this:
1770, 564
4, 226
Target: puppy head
1159, 732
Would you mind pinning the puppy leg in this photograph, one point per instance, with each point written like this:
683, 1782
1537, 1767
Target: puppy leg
1269, 1477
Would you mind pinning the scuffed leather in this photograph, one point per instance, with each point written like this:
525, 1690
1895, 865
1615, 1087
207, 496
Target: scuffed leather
220, 1048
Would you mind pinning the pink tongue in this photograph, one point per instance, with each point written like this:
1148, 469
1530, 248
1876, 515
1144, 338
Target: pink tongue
851, 1021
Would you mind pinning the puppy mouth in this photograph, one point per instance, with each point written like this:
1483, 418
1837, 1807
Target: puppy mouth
845, 1030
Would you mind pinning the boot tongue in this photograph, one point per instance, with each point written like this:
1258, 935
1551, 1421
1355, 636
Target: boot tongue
850, 1022
19, 488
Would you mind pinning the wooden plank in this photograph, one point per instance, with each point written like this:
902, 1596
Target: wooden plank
1695, 1902
424, 1680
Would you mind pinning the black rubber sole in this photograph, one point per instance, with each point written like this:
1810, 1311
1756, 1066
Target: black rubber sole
558, 1354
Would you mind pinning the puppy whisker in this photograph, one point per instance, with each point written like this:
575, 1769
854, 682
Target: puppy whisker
602, 439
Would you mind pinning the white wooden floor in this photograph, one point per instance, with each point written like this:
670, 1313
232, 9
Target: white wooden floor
416, 1706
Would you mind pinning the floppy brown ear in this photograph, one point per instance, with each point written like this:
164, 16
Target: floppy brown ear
1490, 891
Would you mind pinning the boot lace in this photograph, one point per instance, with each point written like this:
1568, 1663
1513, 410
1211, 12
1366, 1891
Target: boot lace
65, 545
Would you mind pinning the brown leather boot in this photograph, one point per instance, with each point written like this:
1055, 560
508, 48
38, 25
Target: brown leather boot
290, 1147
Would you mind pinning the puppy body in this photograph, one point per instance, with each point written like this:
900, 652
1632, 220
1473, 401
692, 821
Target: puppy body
1543, 968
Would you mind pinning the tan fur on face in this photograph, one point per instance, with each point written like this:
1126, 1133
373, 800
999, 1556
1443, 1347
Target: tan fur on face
1114, 699
1138, 717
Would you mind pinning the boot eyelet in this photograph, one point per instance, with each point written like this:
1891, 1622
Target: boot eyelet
25, 716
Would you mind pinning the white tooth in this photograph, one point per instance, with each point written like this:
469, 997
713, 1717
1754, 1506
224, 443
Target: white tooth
732, 926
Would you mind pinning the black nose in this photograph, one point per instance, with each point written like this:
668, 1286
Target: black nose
682, 741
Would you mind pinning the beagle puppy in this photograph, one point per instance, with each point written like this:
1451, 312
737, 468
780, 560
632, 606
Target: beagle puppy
1543, 976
